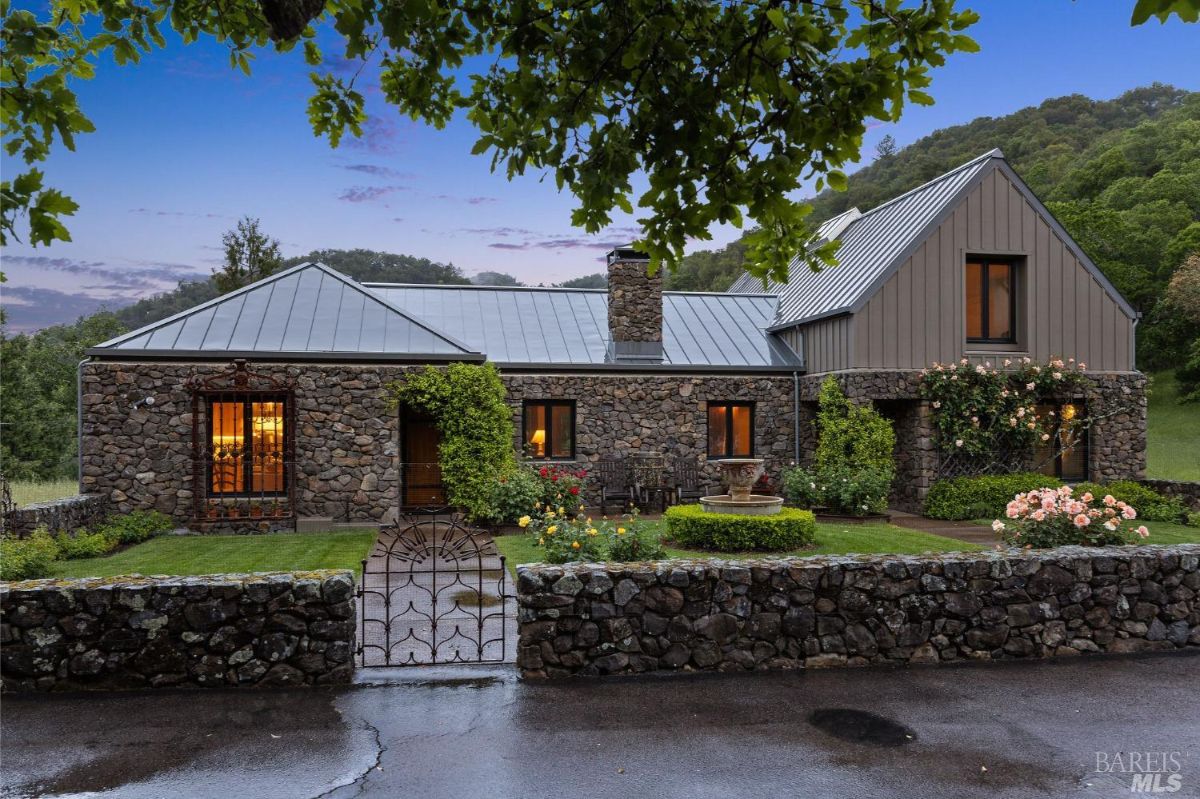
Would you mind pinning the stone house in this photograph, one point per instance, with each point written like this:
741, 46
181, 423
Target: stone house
270, 399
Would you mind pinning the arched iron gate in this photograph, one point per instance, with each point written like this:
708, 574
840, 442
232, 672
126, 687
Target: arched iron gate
432, 591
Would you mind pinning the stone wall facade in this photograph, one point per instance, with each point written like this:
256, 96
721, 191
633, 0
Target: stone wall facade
347, 464
347, 437
790, 613
66, 515
261, 630
617, 415
1116, 442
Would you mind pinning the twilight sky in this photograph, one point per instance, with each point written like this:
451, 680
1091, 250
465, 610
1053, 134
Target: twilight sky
184, 146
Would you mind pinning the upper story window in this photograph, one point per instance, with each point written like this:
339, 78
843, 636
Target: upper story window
730, 430
549, 429
991, 301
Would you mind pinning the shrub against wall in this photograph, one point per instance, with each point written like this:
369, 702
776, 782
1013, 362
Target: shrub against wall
1151, 505
984, 497
467, 402
855, 464
32, 557
692, 526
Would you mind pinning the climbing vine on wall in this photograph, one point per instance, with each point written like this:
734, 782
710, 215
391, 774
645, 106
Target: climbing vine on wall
467, 402
980, 409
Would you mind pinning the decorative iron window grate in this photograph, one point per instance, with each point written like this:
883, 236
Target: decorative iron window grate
243, 447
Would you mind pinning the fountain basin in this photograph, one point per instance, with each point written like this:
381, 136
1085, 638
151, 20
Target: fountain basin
752, 505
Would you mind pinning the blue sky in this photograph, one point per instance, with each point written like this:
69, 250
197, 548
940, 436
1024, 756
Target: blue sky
184, 146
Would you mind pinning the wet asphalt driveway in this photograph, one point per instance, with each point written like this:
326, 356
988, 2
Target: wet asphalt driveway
1015, 729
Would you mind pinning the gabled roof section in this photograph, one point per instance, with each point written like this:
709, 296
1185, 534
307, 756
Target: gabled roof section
872, 244
876, 243
551, 327
309, 309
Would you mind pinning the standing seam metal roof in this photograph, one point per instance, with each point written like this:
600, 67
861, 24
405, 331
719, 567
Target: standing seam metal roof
309, 308
871, 244
518, 325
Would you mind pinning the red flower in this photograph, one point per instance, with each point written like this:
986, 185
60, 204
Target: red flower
543, 471
575, 490
554, 478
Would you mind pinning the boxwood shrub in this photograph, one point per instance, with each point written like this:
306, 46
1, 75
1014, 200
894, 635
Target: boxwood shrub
27, 558
691, 526
983, 497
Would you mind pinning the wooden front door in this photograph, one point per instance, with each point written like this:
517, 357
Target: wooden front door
422, 475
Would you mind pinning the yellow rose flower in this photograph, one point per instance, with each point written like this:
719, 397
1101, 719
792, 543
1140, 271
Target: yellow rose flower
620, 531
562, 510
542, 541
574, 545
551, 529
524, 521
549, 514
592, 531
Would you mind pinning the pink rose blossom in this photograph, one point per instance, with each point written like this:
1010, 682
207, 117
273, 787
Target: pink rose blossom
1110, 500
1082, 520
1142, 531
1129, 512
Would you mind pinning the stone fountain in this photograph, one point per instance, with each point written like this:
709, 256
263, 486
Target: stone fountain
740, 474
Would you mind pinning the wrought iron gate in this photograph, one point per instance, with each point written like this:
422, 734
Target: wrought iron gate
432, 591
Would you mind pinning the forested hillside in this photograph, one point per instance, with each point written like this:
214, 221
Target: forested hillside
1123, 176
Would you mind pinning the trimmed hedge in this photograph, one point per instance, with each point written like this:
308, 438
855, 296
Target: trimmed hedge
1150, 505
692, 526
982, 497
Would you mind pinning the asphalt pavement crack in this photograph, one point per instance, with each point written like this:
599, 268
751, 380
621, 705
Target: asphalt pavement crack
361, 779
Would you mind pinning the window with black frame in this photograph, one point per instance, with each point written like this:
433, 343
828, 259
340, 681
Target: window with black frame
549, 429
246, 446
730, 429
991, 301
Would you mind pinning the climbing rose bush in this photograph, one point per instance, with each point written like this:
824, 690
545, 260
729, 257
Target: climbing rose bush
1054, 517
981, 408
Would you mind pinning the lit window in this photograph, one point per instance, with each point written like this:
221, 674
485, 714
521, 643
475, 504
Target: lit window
730, 430
247, 446
991, 304
549, 429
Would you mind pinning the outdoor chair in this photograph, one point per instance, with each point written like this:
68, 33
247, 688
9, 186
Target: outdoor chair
685, 482
649, 480
615, 483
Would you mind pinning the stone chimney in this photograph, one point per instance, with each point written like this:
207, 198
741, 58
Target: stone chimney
635, 309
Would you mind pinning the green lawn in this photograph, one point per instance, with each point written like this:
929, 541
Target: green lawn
1172, 432
831, 539
1168, 533
26, 492
216, 554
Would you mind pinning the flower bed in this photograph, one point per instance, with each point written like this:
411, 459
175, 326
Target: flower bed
1053, 517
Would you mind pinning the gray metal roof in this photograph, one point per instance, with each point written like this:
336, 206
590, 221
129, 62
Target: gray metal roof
552, 327
307, 309
873, 243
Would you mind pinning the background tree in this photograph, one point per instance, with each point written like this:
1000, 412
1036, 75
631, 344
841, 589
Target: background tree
722, 108
886, 147
495, 279
37, 396
250, 255
598, 280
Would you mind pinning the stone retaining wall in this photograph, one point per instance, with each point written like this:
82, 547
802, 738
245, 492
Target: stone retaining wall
261, 630
788, 613
1186, 490
65, 515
